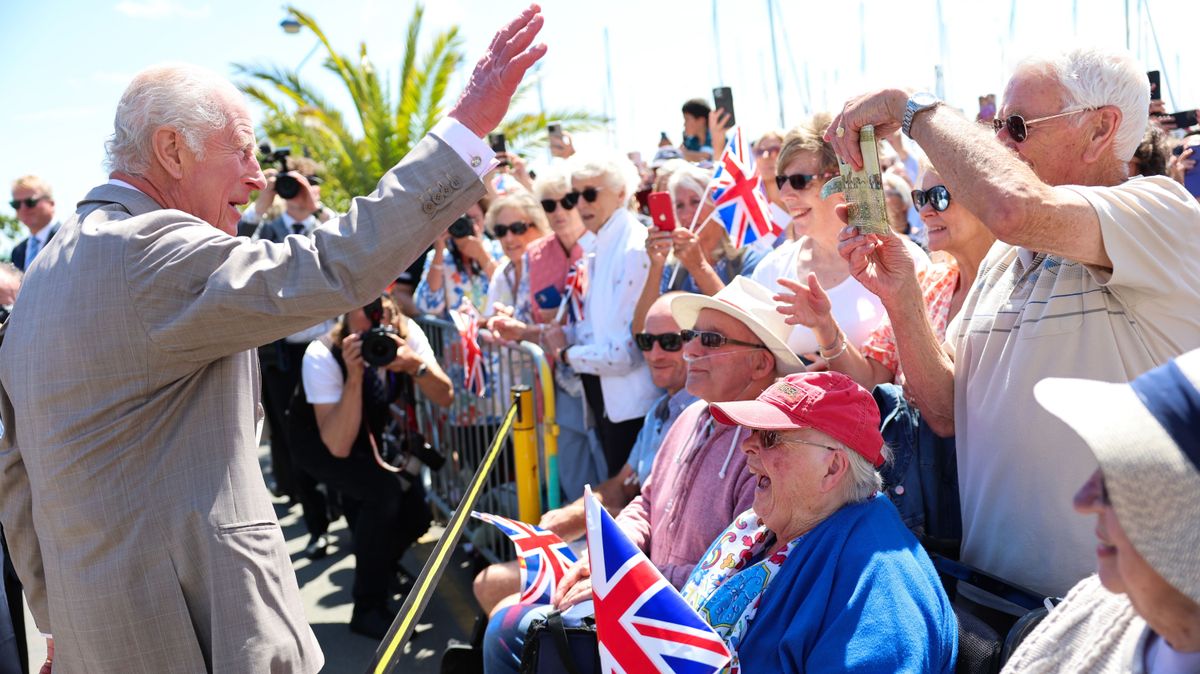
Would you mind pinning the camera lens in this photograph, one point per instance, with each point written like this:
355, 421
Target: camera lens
462, 227
378, 348
286, 186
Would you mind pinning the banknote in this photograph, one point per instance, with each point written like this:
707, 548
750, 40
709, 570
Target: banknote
863, 189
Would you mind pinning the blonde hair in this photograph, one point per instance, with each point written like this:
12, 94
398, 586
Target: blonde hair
808, 136
36, 184
522, 201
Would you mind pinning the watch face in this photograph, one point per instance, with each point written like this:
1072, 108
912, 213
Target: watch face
923, 99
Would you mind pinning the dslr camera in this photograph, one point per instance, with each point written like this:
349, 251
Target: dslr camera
285, 185
378, 347
463, 227
407, 452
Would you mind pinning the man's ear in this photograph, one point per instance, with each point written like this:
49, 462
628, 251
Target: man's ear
167, 146
1103, 134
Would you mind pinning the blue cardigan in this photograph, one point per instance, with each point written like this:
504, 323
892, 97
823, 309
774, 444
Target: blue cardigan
858, 593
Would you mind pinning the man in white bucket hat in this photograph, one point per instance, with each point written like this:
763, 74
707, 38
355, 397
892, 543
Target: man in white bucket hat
1141, 611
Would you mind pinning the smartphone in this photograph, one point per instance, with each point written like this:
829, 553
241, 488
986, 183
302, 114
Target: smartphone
1155, 85
496, 140
723, 98
554, 129
662, 211
1185, 119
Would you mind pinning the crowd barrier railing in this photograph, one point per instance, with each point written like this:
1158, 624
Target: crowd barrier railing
524, 481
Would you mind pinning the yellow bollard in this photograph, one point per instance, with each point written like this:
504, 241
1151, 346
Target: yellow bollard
525, 451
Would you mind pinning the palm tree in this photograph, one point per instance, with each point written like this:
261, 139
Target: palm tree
391, 120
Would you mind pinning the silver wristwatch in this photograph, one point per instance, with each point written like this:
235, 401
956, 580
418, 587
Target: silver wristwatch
916, 103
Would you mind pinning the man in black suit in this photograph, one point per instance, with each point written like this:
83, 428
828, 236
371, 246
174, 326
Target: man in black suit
33, 200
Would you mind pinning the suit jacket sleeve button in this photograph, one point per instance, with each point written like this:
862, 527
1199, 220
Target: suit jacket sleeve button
428, 207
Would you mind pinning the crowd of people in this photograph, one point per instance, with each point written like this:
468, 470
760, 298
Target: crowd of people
793, 430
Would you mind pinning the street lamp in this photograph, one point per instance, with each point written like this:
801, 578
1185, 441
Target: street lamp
291, 26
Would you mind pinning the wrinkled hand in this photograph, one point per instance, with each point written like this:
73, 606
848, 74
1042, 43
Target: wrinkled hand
507, 328
575, 586
352, 356
807, 304
485, 100
565, 522
658, 247
884, 109
882, 264
687, 248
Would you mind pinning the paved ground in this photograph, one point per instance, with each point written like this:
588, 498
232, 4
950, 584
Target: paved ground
325, 588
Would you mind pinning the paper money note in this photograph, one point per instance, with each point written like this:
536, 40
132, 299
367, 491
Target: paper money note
863, 189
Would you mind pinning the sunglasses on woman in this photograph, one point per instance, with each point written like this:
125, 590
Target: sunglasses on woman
938, 198
1018, 126
798, 181
669, 341
517, 228
713, 340
567, 202
589, 194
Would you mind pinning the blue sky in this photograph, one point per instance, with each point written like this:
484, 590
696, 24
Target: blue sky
66, 63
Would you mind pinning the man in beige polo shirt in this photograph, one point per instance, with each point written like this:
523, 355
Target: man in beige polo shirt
1094, 275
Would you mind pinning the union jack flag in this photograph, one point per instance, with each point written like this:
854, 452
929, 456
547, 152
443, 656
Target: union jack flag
576, 289
643, 625
466, 319
542, 556
737, 192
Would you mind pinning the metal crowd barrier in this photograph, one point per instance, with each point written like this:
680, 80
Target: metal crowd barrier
524, 482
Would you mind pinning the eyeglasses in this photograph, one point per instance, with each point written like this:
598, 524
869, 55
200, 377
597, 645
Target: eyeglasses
28, 202
567, 202
517, 228
313, 180
798, 181
712, 340
589, 194
769, 439
1018, 126
763, 151
669, 341
938, 198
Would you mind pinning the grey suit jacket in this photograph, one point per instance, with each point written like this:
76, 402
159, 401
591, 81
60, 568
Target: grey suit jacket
130, 489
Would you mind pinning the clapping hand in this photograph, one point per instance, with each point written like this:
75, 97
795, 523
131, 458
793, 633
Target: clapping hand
485, 100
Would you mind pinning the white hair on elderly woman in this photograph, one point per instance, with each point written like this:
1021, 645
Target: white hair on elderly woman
864, 479
617, 171
689, 177
1093, 77
551, 181
188, 98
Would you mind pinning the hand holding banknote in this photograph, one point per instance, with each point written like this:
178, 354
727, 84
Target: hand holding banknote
883, 109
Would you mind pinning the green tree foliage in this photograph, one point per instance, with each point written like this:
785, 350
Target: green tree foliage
392, 114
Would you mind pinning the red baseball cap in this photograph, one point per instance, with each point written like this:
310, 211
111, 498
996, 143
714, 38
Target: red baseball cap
830, 402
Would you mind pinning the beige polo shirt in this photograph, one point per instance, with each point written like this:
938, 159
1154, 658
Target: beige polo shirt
1031, 316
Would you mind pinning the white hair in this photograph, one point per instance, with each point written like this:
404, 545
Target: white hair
1093, 77
864, 478
551, 181
616, 169
188, 98
689, 177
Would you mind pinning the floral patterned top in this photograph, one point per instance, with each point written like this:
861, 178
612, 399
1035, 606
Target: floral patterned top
456, 284
938, 282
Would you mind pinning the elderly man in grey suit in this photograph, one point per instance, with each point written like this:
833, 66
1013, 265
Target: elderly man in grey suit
129, 484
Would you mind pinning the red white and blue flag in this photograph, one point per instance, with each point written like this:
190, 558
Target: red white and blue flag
466, 320
576, 289
643, 625
737, 193
542, 556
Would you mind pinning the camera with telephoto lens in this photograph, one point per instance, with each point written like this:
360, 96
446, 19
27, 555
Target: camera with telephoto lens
285, 185
378, 347
408, 454
462, 227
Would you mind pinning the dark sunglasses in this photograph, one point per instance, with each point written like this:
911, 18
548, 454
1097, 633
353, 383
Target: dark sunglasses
1018, 126
798, 181
769, 439
669, 341
589, 194
567, 202
28, 202
313, 180
938, 198
517, 228
712, 340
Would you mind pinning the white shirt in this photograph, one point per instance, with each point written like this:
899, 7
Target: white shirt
617, 268
323, 378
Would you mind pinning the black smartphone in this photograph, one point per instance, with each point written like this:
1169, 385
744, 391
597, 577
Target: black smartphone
1155, 85
496, 140
554, 129
1185, 119
723, 98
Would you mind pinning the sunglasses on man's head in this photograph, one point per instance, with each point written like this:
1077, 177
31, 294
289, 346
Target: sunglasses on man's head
669, 341
1018, 126
798, 181
28, 202
517, 228
713, 340
567, 202
938, 198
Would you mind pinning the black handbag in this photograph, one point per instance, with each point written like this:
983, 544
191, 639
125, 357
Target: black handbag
552, 647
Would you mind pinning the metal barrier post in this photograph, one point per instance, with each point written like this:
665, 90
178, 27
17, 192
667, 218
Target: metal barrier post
550, 435
529, 502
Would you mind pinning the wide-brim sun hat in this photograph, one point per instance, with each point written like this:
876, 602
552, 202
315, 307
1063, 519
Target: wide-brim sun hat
752, 305
1146, 437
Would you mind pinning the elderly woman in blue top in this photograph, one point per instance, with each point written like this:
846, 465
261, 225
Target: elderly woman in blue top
821, 574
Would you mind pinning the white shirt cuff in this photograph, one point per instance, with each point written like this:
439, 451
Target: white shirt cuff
470, 147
